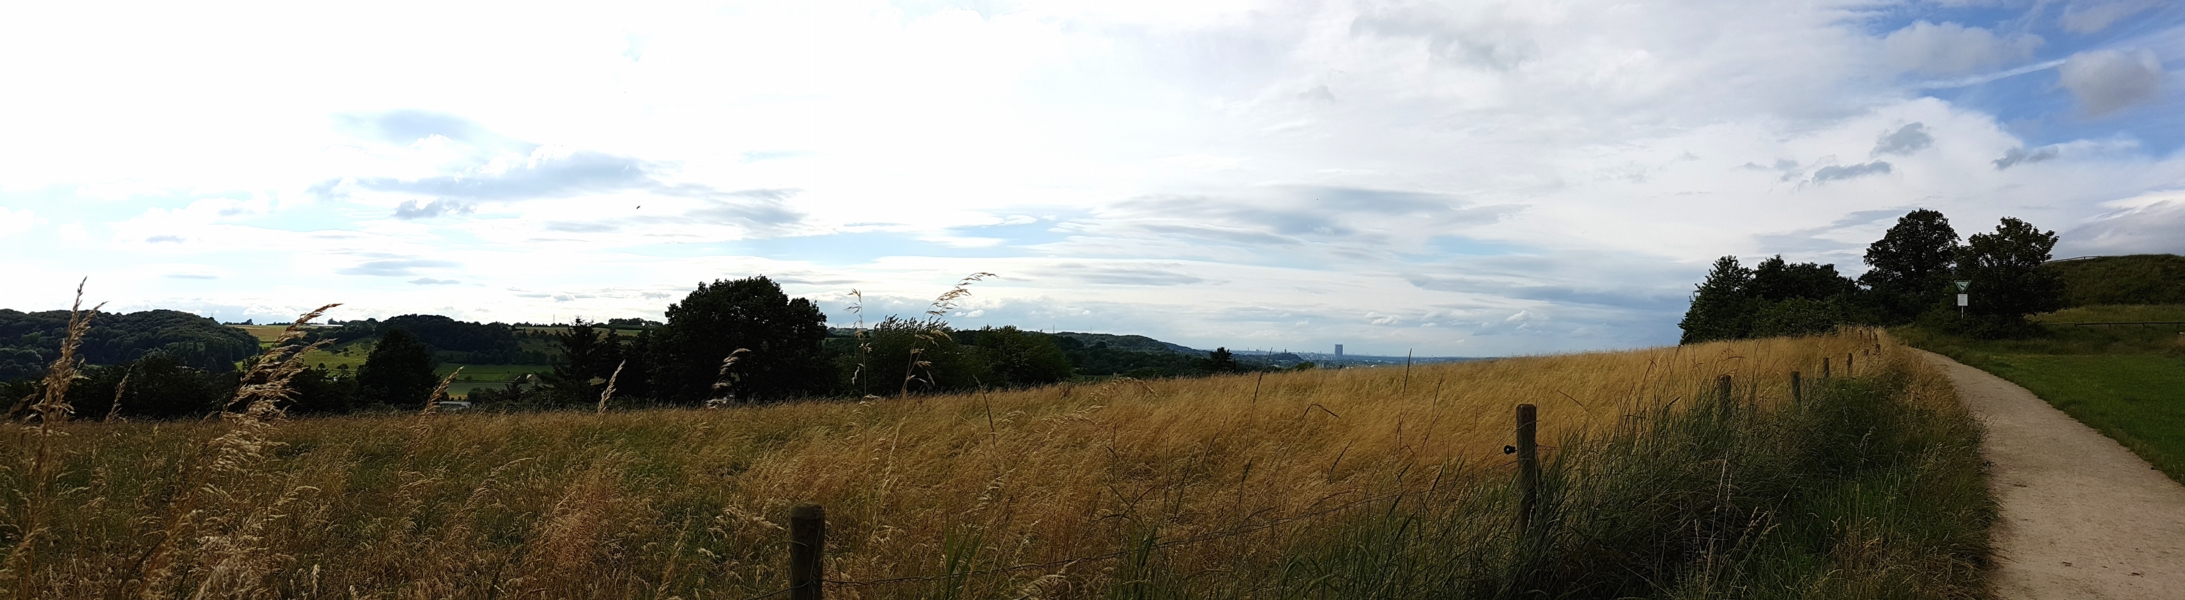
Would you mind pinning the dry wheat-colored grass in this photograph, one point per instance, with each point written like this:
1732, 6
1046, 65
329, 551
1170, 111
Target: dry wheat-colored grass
692, 503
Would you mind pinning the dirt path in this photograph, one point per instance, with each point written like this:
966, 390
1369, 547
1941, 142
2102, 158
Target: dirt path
2082, 516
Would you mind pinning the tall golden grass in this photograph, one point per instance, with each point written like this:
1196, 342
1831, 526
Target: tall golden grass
693, 503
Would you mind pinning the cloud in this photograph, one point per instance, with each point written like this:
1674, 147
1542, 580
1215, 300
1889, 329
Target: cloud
1906, 140
2146, 228
1950, 48
2106, 81
431, 281
395, 267
403, 127
1128, 274
190, 276
2016, 156
764, 207
548, 172
2088, 17
16, 221
1472, 35
164, 239
411, 210
574, 227
1849, 171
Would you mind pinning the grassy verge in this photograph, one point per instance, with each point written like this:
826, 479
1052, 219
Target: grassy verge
1331, 484
2124, 381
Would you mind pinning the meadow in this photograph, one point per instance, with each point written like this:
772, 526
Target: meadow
351, 356
1384, 482
2123, 380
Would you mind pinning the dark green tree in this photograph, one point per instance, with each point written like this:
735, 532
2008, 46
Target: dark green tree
398, 372
1018, 358
1721, 307
1221, 361
160, 387
914, 356
586, 361
2004, 267
319, 391
781, 336
1910, 266
1775, 280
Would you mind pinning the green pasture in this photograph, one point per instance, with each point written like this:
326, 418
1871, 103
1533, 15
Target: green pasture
2127, 381
2138, 400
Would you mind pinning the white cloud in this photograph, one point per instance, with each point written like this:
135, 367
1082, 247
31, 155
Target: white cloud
2144, 224
1950, 48
1210, 173
2083, 16
16, 221
2106, 81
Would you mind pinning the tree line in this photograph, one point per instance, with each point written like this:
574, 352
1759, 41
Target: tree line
1911, 278
727, 341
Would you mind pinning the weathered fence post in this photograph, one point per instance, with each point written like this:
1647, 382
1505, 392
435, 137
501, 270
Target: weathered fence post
1847, 364
1528, 466
807, 543
1824, 368
1797, 391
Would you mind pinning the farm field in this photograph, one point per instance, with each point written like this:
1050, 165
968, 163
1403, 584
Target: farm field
351, 356
1336, 483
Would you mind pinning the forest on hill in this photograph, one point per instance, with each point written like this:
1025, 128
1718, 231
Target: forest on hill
727, 342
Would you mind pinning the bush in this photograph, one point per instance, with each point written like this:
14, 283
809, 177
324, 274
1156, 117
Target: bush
1796, 317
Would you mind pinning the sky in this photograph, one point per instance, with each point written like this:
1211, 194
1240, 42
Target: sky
1478, 178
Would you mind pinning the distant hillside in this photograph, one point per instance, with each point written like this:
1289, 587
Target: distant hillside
1133, 343
31, 341
2134, 279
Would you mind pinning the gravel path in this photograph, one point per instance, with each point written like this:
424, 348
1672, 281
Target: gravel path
2082, 516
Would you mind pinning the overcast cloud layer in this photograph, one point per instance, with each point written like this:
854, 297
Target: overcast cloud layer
1475, 178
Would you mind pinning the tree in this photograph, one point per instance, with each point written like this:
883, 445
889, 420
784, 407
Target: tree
1721, 308
1775, 280
914, 355
587, 360
781, 336
1796, 317
2005, 270
398, 372
1017, 358
1221, 361
160, 387
1910, 265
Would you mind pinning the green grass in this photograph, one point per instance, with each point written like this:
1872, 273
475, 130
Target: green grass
2127, 382
2114, 313
2135, 279
2138, 400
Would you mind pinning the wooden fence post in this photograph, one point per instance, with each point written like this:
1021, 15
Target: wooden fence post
807, 544
1797, 391
1824, 367
1528, 466
1847, 364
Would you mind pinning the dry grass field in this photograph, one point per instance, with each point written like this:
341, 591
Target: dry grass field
1333, 483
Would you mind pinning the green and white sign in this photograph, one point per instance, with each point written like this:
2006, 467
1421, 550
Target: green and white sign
1961, 285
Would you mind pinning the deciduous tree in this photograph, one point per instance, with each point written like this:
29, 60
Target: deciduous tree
1911, 264
782, 336
2005, 270
398, 372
